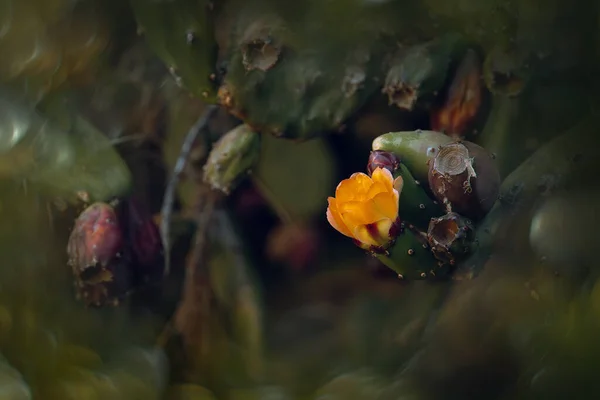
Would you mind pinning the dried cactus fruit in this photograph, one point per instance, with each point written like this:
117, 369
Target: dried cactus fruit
463, 101
450, 237
95, 247
413, 148
464, 177
417, 74
181, 32
231, 158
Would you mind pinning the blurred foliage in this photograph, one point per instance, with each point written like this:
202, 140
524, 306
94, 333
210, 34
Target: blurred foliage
264, 299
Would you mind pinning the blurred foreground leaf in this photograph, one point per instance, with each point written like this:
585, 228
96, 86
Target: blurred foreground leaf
298, 176
63, 160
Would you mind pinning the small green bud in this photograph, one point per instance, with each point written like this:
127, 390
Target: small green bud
231, 158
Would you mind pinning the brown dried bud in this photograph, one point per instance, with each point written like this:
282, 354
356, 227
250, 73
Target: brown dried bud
463, 100
382, 159
450, 237
94, 249
464, 177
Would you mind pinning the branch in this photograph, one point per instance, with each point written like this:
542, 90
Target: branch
169, 198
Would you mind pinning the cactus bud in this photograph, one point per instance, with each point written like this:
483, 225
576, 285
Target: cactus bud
231, 158
414, 148
464, 177
450, 237
463, 100
382, 159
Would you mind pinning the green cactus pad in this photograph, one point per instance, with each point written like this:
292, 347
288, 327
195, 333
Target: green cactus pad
416, 207
181, 33
411, 258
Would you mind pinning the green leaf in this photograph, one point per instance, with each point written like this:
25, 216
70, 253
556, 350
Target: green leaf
296, 176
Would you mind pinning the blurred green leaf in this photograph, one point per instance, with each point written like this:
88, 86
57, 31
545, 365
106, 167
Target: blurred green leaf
298, 176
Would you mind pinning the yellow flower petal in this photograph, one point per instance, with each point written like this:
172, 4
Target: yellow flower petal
335, 219
375, 189
365, 207
383, 175
387, 205
360, 213
363, 235
398, 184
375, 234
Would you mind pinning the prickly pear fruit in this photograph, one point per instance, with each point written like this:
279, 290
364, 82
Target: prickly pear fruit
464, 177
450, 237
95, 246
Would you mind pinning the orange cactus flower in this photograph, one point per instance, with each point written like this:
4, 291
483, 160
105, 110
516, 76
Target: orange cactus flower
365, 208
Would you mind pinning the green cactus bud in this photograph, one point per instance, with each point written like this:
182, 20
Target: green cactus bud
231, 158
410, 256
413, 148
181, 33
416, 207
417, 74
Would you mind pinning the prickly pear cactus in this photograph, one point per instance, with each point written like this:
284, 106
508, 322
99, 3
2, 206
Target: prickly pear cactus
182, 34
296, 87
